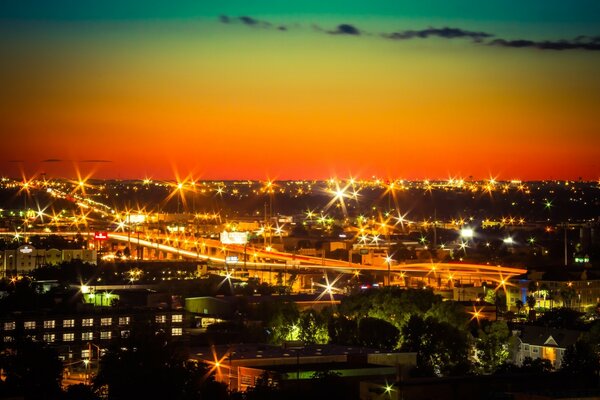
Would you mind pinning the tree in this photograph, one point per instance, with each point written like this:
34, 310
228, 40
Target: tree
531, 301
441, 348
377, 333
567, 294
580, 360
343, 330
536, 366
32, 370
313, 328
561, 318
281, 320
492, 346
148, 367
80, 392
519, 304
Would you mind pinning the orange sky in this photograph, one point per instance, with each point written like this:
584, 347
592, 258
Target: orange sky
153, 98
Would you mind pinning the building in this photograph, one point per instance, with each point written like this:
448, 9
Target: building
240, 366
542, 342
26, 257
73, 333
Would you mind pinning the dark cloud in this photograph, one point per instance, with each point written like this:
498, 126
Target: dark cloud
252, 22
52, 160
345, 29
591, 43
446, 32
579, 43
95, 161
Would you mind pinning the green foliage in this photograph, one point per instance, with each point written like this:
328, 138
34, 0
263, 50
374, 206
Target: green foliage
377, 333
449, 312
312, 328
80, 392
580, 360
561, 318
537, 366
441, 348
281, 320
343, 330
531, 301
492, 346
390, 304
31, 370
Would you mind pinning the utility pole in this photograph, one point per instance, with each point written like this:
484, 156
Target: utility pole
566, 225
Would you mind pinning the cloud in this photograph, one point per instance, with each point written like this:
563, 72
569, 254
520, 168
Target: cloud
95, 161
579, 43
252, 22
345, 29
591, 43
52, 160
446, 32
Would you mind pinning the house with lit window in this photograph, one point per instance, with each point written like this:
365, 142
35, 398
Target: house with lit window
542, 342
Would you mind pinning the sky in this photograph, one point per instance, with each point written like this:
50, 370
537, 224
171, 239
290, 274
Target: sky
300, 89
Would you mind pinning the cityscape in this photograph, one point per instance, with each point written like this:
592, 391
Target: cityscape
341, 200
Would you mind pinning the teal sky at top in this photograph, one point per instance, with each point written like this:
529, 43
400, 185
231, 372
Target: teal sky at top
583, 12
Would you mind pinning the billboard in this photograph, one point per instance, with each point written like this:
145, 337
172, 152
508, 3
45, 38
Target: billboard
234, 237
100, 235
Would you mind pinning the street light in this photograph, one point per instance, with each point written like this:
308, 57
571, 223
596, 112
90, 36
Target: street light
388, 260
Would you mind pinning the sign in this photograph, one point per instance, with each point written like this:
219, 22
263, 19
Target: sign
231, 260
100, 235
26, 249
364, 251
234, 237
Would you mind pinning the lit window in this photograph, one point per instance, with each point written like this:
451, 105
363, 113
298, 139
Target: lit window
104, 335
49, 337
9, 326
87, 336
161, 319
68, 323
29, 324
68, 337
176, 331
123, 320
124, 334
49, 324
87, 322
177, 318
8, 339
105, 321
85, 354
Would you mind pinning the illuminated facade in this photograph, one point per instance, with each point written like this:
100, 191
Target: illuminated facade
27, 257
544, 343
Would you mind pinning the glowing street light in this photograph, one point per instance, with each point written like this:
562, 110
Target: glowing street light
467, 233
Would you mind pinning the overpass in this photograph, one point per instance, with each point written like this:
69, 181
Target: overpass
258, 258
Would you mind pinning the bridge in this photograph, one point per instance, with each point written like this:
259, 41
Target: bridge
258, 258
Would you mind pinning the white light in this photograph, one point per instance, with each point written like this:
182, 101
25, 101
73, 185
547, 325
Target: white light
466, 232
508, 240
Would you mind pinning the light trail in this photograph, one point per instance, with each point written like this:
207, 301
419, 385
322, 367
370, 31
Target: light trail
457, 270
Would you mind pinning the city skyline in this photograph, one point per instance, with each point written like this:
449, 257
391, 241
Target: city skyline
301, 91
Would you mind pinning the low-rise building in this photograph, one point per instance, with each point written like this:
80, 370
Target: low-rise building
241, 366
26, 257
542, 342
